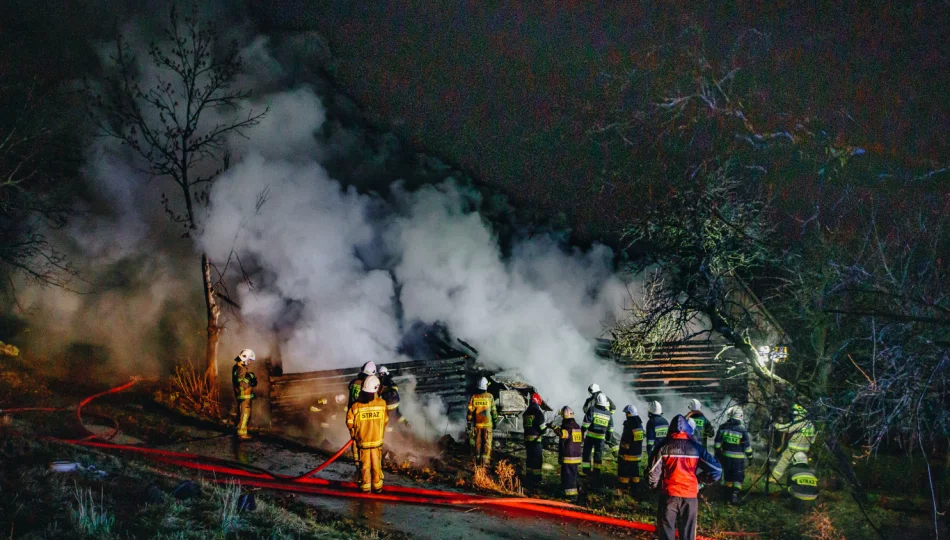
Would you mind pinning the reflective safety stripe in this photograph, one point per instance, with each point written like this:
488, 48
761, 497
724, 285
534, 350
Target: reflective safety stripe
247, 396
532, 438
803, 497
392, 407
324, 425
571, 460
799, 447
630, 458
367, 445
572, 491
734, 455
596, 435
624, 480
483, 425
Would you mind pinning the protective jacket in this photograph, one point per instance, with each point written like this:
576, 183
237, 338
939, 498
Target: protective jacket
678, 460
367, 420
533, 421
703, 429
592, 400
482, 412
657, 427
570, 442
243, 380
801, 434
355, 387
598, 424
802, 482
631, 440
733, 441
390, 394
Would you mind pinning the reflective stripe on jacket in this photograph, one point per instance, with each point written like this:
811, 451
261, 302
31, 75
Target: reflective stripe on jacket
367, 423
533, 421
657, 427
631, 440
570, 442
678, 460
598, 423
733, 441
801, 434
482, 412
802, 483
243, 380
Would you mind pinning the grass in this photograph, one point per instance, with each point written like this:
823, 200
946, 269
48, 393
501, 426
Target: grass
227, 497
88, 518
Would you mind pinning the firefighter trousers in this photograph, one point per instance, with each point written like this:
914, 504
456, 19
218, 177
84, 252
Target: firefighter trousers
677, 515
482, 448
628, 471
569, 479
371, 469
533, 462
593, 448
244, 416
783, 462
733, 472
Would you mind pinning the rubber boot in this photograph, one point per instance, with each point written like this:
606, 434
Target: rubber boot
734, 496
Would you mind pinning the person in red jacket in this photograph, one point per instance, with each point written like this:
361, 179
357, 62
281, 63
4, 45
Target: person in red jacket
675, 466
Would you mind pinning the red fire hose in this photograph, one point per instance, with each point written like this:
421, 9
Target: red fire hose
253, 476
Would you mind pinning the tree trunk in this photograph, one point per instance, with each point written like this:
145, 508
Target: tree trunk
214, 331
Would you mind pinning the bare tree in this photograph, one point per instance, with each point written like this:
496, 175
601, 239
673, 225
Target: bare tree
36, 166
176, 112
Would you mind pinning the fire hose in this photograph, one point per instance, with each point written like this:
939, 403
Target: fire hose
306, 484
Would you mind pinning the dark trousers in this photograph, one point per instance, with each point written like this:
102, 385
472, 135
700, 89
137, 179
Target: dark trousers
677, 514
733, 472
569, 479
533, 462
595, 446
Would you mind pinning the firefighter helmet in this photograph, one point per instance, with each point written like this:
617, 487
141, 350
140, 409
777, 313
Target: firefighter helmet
735, 413
483, 384
340, 399
694, 405
798, 411
371, 384
369, 368
382, 370
536, 398
800, 458
247, 355
567, 412
593, 389
656, 407
631, 410
601, 400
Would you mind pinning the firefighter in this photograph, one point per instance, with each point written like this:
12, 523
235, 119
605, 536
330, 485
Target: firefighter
657, 426
569, 452
598, 426
366, 420
675, 467
244, 381
733, 448
594, 390
703, 429
533, 421
802, 482
631, 449
482, 417
356, 385
390, 394
801, 436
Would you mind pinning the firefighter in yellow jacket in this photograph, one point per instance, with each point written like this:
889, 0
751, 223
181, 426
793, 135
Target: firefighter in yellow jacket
482, 417
244, 381
367, 420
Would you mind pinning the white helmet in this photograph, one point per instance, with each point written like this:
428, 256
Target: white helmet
736, 413
656, 408
369, 368
800, 458
695, 405
593, 389
247, 355
382, 370
631, 410
371, 384
483, 384
340, 399
601, 400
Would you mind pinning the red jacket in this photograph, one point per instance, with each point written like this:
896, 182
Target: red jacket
678, 460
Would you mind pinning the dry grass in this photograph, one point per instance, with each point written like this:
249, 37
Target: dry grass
507, 477
818, 525
482, 479
193, 391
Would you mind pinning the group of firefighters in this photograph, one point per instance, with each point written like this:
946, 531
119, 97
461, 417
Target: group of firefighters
678, 462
